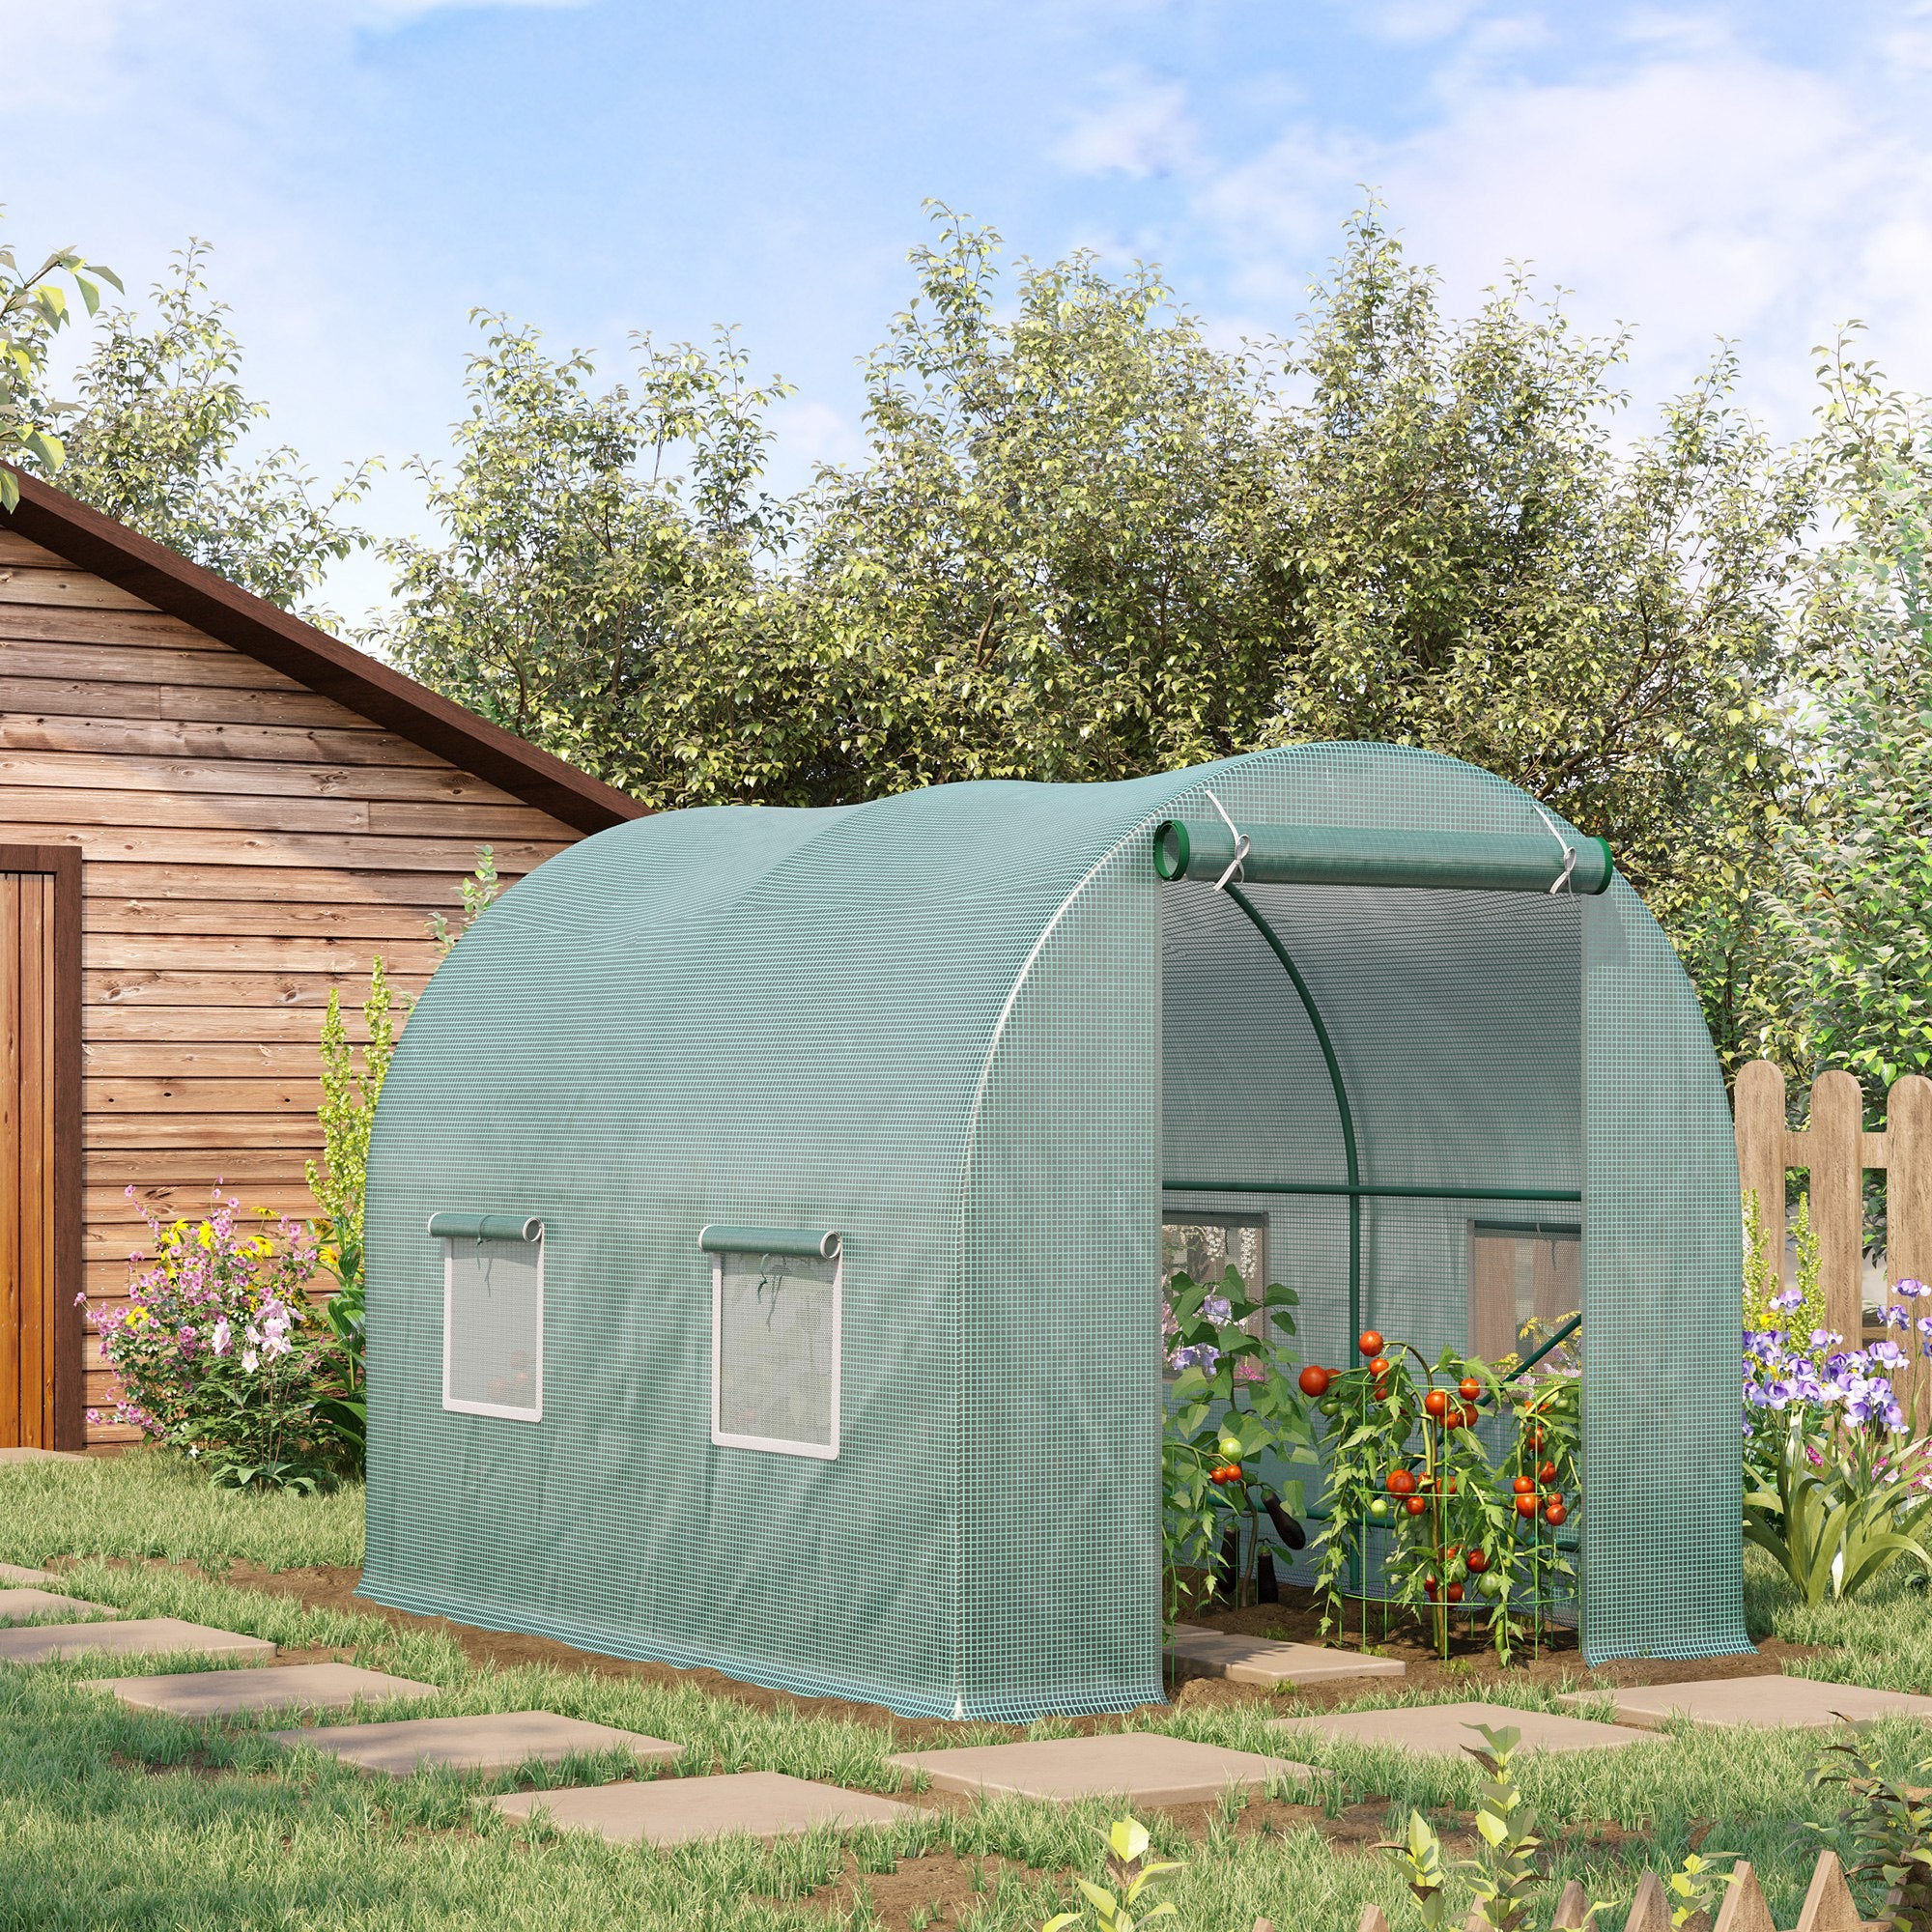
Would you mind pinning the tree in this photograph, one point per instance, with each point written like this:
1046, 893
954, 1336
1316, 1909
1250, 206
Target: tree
32, 309
1085, 542
1850, 903
155, 441
600, 592
1057, 561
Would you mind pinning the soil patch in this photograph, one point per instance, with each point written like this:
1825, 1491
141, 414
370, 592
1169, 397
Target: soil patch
1557, 1663
1471, 1665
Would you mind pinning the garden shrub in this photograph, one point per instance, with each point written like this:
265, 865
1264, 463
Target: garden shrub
219, 1353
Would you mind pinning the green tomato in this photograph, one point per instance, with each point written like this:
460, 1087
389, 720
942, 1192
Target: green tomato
1490, 1584
1379, 1509
1231, 1447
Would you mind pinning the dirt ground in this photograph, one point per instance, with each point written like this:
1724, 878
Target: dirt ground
943, 1884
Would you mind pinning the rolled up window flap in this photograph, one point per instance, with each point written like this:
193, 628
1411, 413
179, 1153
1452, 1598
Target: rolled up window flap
486, 1227
1327, 855
718, 1238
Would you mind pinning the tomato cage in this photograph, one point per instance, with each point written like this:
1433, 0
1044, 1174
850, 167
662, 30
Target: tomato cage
767, 1211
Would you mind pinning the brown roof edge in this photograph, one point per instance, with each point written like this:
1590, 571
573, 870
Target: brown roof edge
265, 632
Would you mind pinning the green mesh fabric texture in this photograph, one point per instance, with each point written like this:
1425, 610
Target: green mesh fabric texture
969, 1031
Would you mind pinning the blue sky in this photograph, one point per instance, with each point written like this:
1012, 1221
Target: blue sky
370, 170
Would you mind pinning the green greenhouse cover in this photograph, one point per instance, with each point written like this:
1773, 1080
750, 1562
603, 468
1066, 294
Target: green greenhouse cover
847, 1137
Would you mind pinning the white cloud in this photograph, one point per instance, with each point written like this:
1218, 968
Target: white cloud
1138, 126
1696, 190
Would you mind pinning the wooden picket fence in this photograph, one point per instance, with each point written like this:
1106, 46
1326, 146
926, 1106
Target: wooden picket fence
1828, 1907
1837, 1152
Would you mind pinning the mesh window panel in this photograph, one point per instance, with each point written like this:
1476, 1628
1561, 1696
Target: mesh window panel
778, 1352
492, 1344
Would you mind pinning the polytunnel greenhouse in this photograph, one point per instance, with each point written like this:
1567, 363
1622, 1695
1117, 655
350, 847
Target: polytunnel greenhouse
766, 1209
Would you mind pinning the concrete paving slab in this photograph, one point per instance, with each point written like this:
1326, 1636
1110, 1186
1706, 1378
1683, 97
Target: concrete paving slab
1259, 1659
496, 1742
11, 1573
1145, 1766
1770, 1703
670, 1810
137, 1636
1443, 1729
287, 1687
40, 1456
18, 1605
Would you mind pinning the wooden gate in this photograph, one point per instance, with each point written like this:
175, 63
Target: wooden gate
40, 1152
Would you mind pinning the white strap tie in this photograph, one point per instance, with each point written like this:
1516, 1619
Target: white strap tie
1243, 844
1561, 884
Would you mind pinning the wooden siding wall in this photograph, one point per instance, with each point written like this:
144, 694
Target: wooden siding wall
248, 844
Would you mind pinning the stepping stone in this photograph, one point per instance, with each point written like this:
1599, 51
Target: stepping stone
42, 1455
1770, 1703
1443, 1729
11, 1573
474, 1743
17, 1604
1148, 1767
287, 1687
138, 1636
1256, 1660
670, 1810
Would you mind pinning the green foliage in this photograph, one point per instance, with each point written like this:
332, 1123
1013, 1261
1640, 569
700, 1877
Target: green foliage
1848, 906
480, 889
339, 1184
1763, 1279
156, 438
218, 1354
1507, 1868
33, 308
1834, 1508
1086, 543
1129, 1871
1233, 1402
1883, 1834
598, 593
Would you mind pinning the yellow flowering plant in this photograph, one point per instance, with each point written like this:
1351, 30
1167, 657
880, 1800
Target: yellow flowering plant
217, 1350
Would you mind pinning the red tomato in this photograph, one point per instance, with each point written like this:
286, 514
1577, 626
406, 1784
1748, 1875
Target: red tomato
1548, 1473
1415, 1505
1469, 1388
1525, 1486
1454, 1593
1436, 1403
1380, 1367
1476, 1562
1314, 1381
1453, 1420
1233, 1472
1383, 1390
1534, 1439
1556, 1515
1429, 1588
1450, 1555
1525, 1506
1369, 1341
1401, 1482
1470, 1417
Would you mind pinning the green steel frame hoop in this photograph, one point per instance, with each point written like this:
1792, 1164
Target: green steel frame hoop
1281, 952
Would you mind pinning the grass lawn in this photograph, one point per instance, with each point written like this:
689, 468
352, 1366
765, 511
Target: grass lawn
110, 1818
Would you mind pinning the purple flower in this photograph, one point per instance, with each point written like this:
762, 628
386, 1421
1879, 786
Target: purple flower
1218, 1309
1787, 1299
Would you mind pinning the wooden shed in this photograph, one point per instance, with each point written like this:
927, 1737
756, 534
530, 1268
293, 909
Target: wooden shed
211, 813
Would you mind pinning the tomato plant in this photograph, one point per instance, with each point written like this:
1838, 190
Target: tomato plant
1464, 1511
